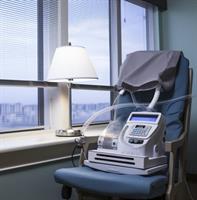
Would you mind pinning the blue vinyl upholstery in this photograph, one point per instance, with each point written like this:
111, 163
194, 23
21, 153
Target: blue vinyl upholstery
173, 111
133, 186
126, 186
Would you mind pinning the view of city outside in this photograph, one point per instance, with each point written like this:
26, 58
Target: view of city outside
18, 60
82, 110
88, 26
18, 115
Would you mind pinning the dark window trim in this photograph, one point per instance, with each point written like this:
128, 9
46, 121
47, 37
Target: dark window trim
40, 56
46, 84
92, 124
161, 4
27, 83
22, 130
140, 3
92, 87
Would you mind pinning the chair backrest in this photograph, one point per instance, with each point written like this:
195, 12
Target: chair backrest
178, 161
186, 120
172, 109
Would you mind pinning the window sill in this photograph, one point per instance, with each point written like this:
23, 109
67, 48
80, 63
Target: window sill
35, 139
36, 147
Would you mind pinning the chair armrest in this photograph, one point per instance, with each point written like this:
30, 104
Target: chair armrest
174, 145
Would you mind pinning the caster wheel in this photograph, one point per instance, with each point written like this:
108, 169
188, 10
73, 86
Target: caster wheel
66, 192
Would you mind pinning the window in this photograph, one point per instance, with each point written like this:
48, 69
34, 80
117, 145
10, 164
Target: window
133, 28
83, 110
19, 60
31, 30
88, 26
18, 108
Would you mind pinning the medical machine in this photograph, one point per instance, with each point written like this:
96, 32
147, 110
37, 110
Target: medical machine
138, 149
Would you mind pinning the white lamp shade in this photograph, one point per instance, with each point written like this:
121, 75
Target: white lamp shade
71, 63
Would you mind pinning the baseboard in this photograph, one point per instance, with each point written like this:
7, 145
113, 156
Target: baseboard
192, 177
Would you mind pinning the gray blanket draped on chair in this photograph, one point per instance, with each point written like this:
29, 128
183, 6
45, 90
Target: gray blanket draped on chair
144, 70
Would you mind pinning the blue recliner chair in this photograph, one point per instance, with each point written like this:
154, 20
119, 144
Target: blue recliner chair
170, 185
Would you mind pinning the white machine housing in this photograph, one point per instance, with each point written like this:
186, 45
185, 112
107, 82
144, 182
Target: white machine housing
139, 148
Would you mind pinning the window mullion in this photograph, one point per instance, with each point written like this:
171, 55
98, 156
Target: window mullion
62, 23
115, 42
40, 58
152, 24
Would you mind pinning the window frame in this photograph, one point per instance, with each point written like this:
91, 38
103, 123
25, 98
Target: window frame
40, 64
115, 55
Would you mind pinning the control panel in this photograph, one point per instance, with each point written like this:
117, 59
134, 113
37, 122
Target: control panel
140, 130
140, 126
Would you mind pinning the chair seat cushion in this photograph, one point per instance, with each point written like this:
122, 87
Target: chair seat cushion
109, 184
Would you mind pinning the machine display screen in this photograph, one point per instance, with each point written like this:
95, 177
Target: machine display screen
144, 118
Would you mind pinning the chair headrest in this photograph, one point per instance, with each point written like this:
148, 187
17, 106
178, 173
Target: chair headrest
145, 70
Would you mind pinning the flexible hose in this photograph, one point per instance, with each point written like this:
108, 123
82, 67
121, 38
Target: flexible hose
126, 105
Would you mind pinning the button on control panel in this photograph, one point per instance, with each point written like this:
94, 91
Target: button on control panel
135, 141
140, 130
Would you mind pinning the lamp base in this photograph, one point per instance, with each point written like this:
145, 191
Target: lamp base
68, 133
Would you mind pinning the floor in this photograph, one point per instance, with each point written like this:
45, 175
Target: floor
193, 187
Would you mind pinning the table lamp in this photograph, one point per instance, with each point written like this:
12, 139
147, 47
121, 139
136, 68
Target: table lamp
70, 64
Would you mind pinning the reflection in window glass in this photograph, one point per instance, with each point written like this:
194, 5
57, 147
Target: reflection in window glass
133, 20
85, 104
88, 26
